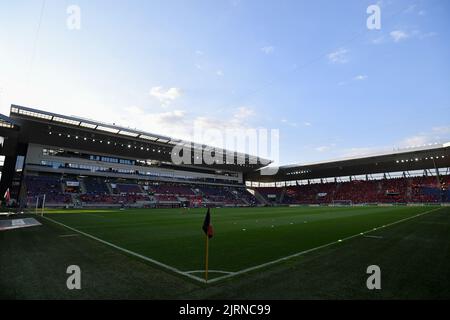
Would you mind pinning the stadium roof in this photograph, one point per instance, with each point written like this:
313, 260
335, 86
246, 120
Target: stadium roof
89, 124
408, 159
7, 122
112, 130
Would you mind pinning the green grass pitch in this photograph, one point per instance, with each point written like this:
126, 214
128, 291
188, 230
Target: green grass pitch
245, 243
244, 237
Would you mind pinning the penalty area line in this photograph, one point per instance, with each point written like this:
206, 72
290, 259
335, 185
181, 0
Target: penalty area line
160, 264
211, 271
263, 265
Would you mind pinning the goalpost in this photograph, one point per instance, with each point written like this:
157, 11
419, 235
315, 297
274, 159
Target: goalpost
342, 202
42, 204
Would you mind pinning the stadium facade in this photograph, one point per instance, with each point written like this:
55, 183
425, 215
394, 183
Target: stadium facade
76, 161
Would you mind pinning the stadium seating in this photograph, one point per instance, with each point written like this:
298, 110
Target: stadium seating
271, 194
172, 189
245, 196
396, 190
166, 198
96, 191
48, 185
112, 199
95, 186
128, 188
228, 196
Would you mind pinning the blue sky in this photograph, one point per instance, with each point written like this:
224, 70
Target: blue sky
311, 69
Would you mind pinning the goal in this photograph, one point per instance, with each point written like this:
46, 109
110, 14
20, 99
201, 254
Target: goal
40, 205
342, 203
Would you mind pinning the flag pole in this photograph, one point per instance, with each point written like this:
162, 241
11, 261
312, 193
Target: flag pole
206, 258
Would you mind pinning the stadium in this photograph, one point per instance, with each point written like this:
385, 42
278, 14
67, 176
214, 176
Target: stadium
110, 200
226, 158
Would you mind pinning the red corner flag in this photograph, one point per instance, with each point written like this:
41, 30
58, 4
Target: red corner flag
7, 196
207, 226
209, 232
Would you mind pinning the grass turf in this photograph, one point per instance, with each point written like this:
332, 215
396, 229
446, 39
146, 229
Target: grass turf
244, 238
36, 257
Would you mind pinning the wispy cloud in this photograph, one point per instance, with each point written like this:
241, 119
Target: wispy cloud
325, 148
381, 3
322, 148
426, 35
411, 8
436, 134
165, 96
363, 151
399, 35
378, 40
183, 124
268, 49
289, 123
219, 73
214, 128
338, 56
414, 9
360, 77
244, 113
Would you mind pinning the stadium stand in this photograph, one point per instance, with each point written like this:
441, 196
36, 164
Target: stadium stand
396, 190
48, 185
421, 189
271, 194
172, 189
128, 188
95, 186
112, 199
80, 162
245, 196
96, 192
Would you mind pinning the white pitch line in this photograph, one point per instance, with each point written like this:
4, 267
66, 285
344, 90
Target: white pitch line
213, 271
129, 252
232, 274
316, 248
374, 237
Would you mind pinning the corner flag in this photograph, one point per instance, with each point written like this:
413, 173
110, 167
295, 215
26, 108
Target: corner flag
207, 226
209, 232
7, 196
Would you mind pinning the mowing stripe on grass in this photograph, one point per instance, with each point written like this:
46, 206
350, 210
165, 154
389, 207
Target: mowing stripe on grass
373, 237
68, 235
232, 274
129, 252
316, 248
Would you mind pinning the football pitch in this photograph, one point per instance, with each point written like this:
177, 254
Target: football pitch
246, 240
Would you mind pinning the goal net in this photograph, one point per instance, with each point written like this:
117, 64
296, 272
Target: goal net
39, 204
342, 203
